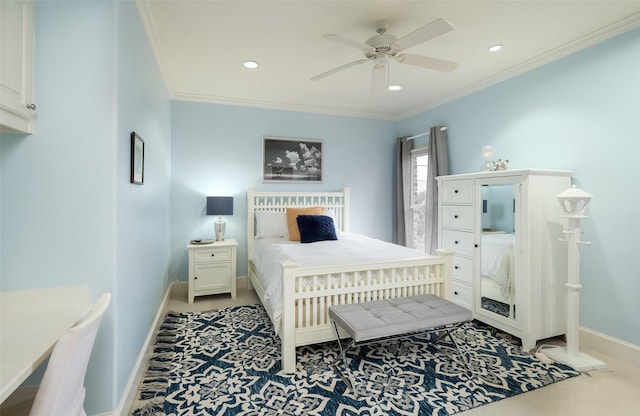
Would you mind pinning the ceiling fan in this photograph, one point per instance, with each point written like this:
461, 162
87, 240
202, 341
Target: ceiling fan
383, 46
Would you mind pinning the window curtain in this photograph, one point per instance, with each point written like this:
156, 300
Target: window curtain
438, 166
402, 197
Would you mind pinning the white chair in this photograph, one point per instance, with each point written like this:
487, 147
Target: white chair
61, 392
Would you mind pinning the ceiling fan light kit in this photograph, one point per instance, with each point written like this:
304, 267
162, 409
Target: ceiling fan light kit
383, 46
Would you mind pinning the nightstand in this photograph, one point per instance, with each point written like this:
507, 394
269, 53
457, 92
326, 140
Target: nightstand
212, 268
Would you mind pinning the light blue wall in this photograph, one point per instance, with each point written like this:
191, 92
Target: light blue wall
142, 212
69, 215
217, 150
580, 113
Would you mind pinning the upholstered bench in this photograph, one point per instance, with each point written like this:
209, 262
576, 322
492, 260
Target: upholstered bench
377, 321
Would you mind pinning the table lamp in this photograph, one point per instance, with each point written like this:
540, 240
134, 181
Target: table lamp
219, 205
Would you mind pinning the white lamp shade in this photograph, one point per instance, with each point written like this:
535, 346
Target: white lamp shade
574, 202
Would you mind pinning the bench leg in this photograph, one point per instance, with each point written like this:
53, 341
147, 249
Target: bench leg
464, 357
342, 355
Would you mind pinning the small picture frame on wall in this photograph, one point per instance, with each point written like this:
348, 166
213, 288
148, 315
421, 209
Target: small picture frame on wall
291, 160
137, 159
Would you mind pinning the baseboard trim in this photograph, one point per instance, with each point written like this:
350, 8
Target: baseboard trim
613, 347
242, 281
138, 370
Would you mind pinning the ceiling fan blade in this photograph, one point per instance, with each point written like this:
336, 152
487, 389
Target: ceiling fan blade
427, 62
429, 31
349, 42
380, 77
340, 68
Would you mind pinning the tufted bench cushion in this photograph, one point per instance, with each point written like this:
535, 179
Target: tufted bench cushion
392, 317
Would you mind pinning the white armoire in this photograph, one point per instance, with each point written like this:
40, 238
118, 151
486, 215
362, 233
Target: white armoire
510, 265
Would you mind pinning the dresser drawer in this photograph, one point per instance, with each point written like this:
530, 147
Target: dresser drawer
212, 254
457, 216
461, 294
459, 241
463, 269
460, 191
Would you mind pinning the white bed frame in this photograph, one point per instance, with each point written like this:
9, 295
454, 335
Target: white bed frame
308, 292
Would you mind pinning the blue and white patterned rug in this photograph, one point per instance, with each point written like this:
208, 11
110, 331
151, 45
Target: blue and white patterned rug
226, 362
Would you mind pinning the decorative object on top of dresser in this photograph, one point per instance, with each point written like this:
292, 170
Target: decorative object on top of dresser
508, 268
574, 203
487, 165
212, 268
500, 164
220, 205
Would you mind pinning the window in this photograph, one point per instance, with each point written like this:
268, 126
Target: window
419, 163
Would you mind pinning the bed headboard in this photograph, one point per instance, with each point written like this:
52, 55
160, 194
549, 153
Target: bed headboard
280, 201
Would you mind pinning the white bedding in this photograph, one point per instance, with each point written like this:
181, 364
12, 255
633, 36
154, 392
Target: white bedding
497, 260
349, 249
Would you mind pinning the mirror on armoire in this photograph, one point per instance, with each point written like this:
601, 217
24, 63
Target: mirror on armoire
497, 262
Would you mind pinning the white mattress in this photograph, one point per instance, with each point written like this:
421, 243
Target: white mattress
349, 249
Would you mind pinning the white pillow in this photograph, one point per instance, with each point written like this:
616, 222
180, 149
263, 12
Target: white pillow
271, 224
331, 212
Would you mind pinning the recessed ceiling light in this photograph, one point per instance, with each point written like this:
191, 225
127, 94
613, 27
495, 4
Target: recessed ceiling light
250, 64
495, 48
395, 87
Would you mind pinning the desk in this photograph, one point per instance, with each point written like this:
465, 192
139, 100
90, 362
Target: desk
31, 322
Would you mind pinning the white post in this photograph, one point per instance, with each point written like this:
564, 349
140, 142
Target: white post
573, 288
574, 204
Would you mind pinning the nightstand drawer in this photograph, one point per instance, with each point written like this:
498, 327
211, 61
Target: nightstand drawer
212, 254
457, 216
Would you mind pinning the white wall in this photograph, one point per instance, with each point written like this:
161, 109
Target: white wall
580, 113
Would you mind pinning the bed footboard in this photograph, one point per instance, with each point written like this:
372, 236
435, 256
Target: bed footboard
308, 293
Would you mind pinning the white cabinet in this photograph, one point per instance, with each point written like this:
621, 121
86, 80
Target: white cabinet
510, 265
212, 268
16, 66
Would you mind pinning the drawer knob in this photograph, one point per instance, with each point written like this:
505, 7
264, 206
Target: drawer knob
456, 267
455, 192
455, 293
475, 245
455, 216
195, 277
213, 254
455, 242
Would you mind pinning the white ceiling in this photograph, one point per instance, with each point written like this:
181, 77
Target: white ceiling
200, 47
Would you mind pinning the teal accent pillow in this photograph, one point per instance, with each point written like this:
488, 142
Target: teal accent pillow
316, 228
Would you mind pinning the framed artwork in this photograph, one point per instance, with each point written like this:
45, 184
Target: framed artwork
137, 159
291, 160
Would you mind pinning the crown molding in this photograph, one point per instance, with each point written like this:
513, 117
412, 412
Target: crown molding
149, 24
212, 99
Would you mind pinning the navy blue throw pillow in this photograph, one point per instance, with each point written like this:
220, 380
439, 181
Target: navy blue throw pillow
316, 228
